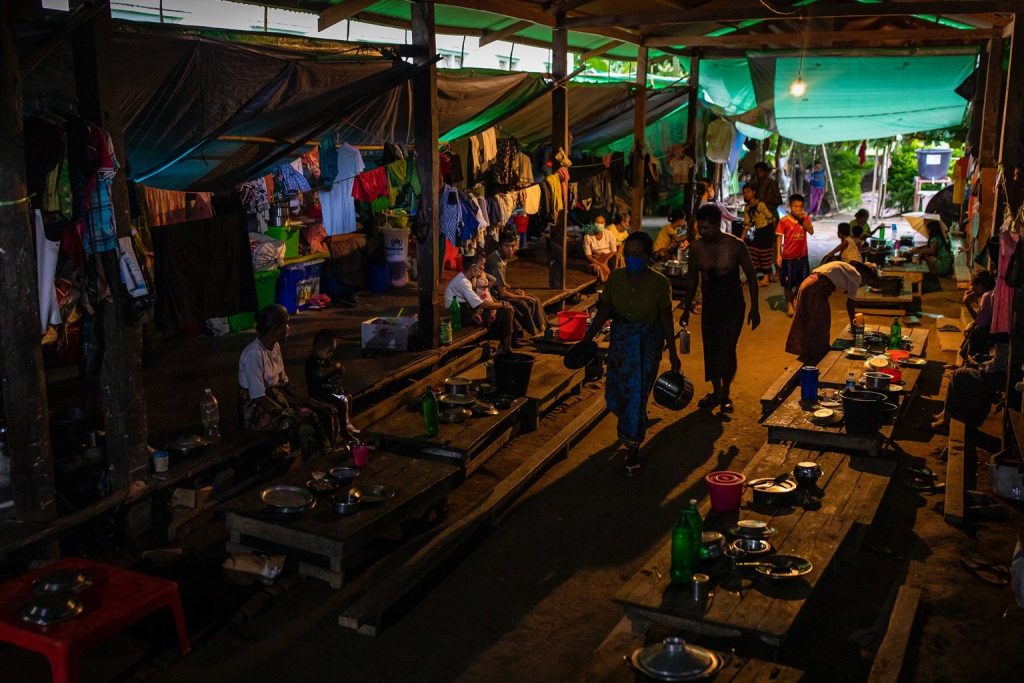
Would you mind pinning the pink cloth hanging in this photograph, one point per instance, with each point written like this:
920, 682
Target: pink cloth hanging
1002, 297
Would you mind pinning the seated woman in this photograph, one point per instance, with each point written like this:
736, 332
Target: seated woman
937, 253
671, 236
600, 248
620, 229
495, 315
266, 396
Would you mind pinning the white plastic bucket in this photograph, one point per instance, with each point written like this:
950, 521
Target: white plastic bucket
396, 245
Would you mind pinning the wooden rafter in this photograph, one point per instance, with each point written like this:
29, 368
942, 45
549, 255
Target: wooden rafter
504, 32
341, 11
731, 12
824, 38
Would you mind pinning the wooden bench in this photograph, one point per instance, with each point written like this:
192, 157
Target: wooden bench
467, 443
961, 464
324, 541
888, 662
853, 488
780, 388
870, 300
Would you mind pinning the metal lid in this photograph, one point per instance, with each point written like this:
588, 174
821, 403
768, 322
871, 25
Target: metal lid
770, 485
674, 660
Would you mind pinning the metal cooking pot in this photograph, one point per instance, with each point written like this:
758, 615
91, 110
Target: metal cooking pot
188, 445
674, 660
673, 390
457, 386
877, 381
713, 545
890, 285
279, 214
862, 411
770, 491
673, 268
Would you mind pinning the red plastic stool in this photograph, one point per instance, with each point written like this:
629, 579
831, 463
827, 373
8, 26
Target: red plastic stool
452, 257
116, 599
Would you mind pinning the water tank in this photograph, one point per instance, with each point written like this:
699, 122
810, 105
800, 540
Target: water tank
933, 164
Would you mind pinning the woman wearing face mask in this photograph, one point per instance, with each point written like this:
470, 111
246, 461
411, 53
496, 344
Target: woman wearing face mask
638, 301
599, 246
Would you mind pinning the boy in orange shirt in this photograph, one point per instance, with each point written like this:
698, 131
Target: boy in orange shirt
791, 249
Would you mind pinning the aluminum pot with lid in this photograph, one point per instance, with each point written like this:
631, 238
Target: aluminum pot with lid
673, 268
674, 660
877, 381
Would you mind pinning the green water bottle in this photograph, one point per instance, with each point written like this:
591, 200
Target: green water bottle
895, 334
430, 419
686, 544
456, 312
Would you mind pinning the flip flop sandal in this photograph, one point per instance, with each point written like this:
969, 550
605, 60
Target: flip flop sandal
920, 484
632, 463
708, 402
922, 472
726, 406
996, 575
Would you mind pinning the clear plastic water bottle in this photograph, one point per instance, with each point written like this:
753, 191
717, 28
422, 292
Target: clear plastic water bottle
851, 382
210, 412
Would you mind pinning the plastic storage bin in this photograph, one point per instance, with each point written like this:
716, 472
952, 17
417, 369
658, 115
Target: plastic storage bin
289, 286
933, 164
266, 287
290, 237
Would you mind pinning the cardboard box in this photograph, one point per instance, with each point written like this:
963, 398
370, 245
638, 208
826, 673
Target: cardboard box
190, 498
389, 333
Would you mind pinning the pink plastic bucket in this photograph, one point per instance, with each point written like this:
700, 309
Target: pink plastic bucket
725, 489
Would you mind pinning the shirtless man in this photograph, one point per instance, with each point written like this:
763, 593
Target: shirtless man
716, 259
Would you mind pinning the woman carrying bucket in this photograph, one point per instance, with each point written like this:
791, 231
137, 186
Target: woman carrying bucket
638, 301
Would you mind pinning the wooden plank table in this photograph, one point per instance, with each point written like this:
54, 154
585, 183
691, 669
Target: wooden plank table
469, 443
913, 274
550, 380
869, 299
791, 421
322, 537
917, 336
851, 487
834, 368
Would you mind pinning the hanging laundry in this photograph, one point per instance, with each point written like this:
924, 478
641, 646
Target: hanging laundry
557, 193
99, 229
255, 199
371, 185
311, 163
46, 270
450, 165
164, 207
450, 214
508, 202
291, 179
338, 206
524, 168
506, 164
530, 199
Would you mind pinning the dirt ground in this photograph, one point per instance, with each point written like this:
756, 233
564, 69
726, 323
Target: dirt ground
531, 601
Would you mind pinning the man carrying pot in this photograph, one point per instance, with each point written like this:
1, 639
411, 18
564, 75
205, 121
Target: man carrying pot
810, 334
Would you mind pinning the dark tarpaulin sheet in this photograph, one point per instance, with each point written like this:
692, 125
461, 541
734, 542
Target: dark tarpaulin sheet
183, 95
532, 124
468, 102
203, 269
616, 123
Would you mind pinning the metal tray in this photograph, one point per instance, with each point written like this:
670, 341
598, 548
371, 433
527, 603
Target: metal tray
371, 494
287, 499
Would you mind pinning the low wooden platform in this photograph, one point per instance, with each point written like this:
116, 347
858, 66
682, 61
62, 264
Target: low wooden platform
550, 382
791, 421
836, 366
467, 444
888, 661
852, 488
868, 299
322, 539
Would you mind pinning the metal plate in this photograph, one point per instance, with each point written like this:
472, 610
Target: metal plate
769, 485
751, 546
50, 608
284, 498
62, 581
457, 399
371, 494
800, 567
913, 361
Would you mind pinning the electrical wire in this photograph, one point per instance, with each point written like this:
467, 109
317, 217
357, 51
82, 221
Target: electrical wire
768, 7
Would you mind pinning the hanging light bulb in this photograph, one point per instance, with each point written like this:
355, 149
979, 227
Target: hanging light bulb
798, 88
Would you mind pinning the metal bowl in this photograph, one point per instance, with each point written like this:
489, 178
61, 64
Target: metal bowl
346, 503
51, 608
752, 546
373, 494
71, 580
454, 415
322, 487
712, 545
343, 475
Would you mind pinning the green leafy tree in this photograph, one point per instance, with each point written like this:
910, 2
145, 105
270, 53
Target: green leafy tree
847, 174
902, 171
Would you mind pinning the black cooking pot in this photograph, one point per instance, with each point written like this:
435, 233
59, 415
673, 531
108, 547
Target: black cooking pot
890, 285
862, 410
770, 491
673, 390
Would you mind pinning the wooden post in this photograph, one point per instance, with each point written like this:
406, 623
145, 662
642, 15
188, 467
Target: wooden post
988, 146
424, 96
121, 375
559, 140
691, 130
639, 137
21, 357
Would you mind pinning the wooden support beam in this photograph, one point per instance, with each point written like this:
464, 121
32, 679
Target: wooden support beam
991, 108
121, 374
735, 11
691, 131
559, 140
346, 9
639, 141
600, 50
25, 411
425, 132
565, 6
818, 39
504, 32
